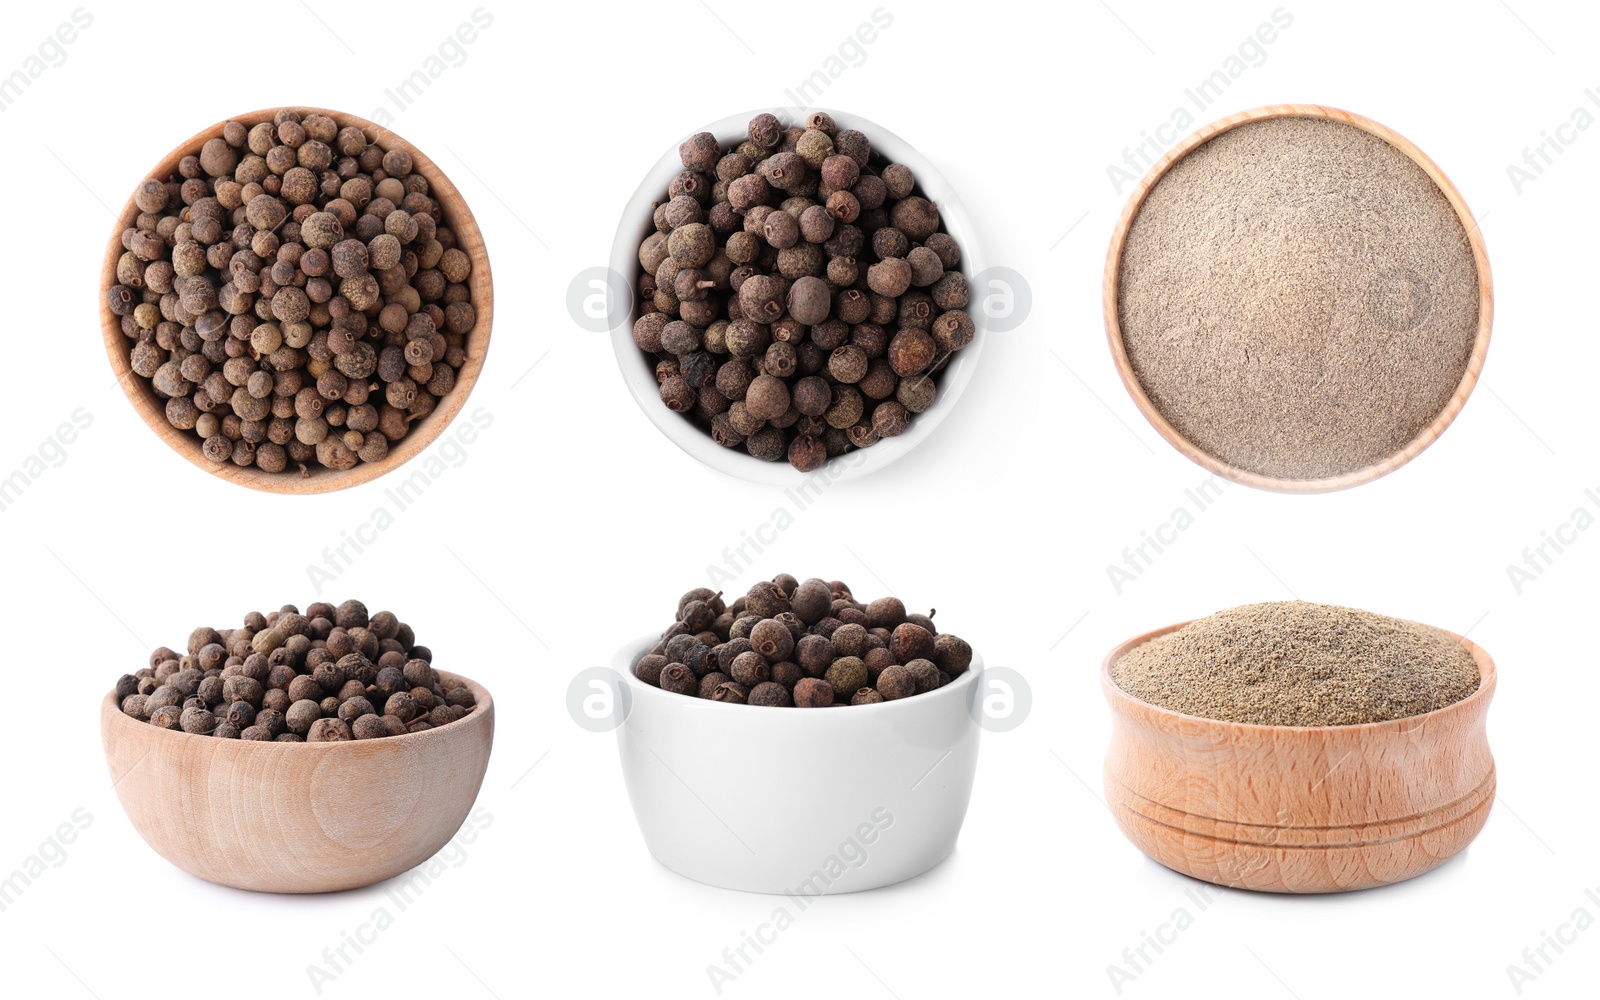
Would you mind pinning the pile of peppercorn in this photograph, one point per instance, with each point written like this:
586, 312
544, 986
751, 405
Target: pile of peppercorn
798, 292
294, 294
328, 675
808, 644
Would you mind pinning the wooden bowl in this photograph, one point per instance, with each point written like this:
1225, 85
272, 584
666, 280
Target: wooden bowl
297, 817
1429, 434
469, 240
1299, 808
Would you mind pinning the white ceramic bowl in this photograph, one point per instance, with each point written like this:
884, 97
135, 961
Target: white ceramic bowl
795, 800
639, 370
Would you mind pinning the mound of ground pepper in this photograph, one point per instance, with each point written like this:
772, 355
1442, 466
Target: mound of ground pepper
1293, 663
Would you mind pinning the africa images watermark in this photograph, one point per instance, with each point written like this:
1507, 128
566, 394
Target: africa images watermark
52, 853
1553, 543
1250, 54
851, 53
1136, 559
853, 853
1541, 156
450, 452
450, 53
1137, 959
48, 54
739, 559
401, 894
51, 454
1537, 959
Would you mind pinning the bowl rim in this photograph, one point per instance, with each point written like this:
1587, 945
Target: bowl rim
639, 376
1125, 704
1277, 484
623, 663
110, 707
469, 238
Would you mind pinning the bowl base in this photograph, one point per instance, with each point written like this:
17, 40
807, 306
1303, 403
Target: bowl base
810, 885
1293, 859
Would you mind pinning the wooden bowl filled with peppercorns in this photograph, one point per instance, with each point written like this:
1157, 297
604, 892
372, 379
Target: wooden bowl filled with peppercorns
798, 740
800, 298
298, 753
297, 300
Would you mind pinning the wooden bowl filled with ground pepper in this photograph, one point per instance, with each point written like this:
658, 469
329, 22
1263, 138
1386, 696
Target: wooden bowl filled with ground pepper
1297, 747
297, 300
1298, 299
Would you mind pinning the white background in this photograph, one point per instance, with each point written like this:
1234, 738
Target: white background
574, 520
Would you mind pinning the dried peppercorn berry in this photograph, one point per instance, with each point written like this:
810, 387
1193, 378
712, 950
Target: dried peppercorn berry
771, 694
925, 674
807, 643
314, 678
306, 258
896, 682
807, 453
679, 679
810, 692
789, 273
772, 639
750, 668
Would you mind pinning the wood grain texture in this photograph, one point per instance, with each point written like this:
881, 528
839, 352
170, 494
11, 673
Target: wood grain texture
1428, 435
297, 817
1299, 808
469, 239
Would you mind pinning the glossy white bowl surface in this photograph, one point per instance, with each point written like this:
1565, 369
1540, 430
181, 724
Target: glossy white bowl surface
801, 801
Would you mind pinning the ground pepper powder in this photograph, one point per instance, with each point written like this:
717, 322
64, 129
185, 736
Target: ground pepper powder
1298, 298
1294, 663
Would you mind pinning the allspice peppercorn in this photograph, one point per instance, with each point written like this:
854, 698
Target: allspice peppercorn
291, 677
896, 682
924, 673
771, 694
807, 453
816, 265
810, 692
750, 668
328, 730
952, 654
198, 721
772, 640
910, 641
846, 676
678, 678
300, 256
890, 418
806, 643
369, 727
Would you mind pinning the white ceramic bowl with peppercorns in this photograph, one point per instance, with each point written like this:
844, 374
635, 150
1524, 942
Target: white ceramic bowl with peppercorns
804, 801
684, 429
